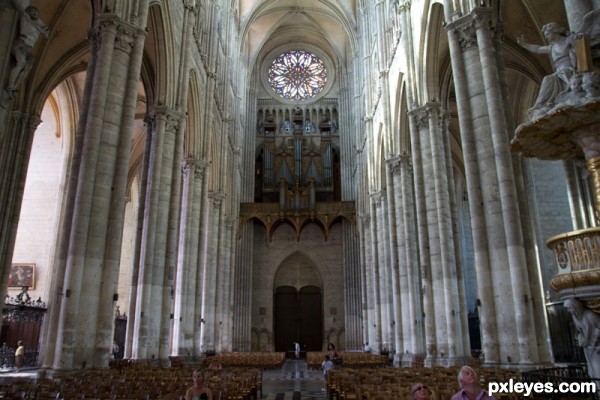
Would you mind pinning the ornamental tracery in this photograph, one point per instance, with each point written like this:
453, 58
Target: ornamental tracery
297, 75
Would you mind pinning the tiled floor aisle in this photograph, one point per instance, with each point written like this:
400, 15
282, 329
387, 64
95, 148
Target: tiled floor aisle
293, 382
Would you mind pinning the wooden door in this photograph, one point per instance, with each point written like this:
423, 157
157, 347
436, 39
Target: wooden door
298, 317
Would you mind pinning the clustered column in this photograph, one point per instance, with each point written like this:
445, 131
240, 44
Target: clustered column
505, 296
186, 325
94, 223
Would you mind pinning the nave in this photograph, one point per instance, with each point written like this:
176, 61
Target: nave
294, 381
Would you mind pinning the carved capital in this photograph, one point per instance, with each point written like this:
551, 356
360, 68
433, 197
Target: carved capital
200, 170
230, 222
125, 38
465, 31
188, 165
190, 5
150, 121
94, 37
421, 117
403, 6
217, 199
170, 117
377, 198
397, 163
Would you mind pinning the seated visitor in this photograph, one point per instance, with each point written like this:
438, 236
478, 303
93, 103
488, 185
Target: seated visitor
198, 391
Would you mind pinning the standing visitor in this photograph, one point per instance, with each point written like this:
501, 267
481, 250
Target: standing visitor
19, 355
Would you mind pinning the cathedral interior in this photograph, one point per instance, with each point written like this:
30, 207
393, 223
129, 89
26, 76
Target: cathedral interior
199, 177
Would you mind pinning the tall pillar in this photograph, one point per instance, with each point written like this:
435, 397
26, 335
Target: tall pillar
394, 198
437, 206
502, 264
352, 288
94, 234
423, 266
16, 138
152, 285
368, 319
210, 290
187, 271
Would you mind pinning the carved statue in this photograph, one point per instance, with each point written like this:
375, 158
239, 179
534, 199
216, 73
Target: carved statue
576, 92
591, 84
587, 323
30, 27
562, 50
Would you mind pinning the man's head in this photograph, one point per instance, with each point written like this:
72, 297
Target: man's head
419, 391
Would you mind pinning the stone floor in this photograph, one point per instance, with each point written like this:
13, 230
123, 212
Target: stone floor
293, 382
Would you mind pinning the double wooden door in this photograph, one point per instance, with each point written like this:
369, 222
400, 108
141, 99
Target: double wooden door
298, 318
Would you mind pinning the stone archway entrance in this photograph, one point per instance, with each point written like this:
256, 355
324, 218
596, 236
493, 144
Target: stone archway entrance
298, 304
298, 317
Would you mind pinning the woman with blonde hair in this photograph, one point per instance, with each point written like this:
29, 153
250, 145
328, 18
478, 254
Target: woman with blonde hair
198, 391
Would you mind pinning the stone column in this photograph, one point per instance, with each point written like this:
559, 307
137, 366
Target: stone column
376, 308
94, 234
210, 290
502, 266
423, 268
225, 305
440, 235
398, 286
16, 138
187, 271
352, 288
151, 284
385, 278
412, 299
367, 282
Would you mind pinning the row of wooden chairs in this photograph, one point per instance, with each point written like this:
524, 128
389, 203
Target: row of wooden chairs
393, 383
136, 384
351, 359
249, 359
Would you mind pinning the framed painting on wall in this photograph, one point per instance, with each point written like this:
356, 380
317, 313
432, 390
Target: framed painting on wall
22, 275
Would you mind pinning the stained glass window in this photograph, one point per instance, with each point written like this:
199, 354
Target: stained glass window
297, 75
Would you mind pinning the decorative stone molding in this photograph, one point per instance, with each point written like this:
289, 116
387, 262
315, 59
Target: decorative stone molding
402, 5
108, 23
217, 199
94, 37
169, 116
377, 198
421, 117
465, 32
230, 222
29, 122
125, 36
150, 122
190, 5
188, 165
398, 162
271, 216
200, 170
